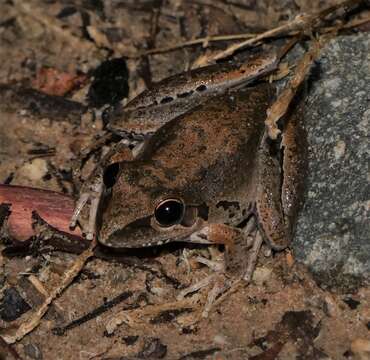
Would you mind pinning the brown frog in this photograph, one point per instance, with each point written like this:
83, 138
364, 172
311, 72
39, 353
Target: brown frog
207, 174
202, 176
167, 100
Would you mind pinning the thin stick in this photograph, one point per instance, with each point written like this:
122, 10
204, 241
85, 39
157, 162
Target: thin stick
204, 41
351, 24
299, 23
38, 285
34, 320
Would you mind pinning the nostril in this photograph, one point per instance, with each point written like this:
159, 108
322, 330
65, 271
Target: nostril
110, 175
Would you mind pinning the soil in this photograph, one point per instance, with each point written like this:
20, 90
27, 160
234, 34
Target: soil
282, 314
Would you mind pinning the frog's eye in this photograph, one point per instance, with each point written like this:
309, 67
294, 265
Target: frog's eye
169, 212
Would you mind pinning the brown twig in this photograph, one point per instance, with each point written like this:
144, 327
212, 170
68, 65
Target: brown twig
56, 209
350, 25
204, 41
34, 320
93, 314
302, 22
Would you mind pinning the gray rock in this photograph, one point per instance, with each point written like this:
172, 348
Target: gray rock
333, 229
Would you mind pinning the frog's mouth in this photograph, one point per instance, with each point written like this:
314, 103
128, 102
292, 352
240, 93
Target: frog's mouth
143, 233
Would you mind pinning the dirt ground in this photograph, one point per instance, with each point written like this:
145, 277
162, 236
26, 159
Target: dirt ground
130, 299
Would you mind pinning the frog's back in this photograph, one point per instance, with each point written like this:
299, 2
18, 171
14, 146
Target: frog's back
197, 82
203, 151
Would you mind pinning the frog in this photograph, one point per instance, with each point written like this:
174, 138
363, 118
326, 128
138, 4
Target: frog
210, 176
204, 170
155, 107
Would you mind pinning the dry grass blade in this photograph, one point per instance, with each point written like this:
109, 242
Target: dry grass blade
34, 320
279, 108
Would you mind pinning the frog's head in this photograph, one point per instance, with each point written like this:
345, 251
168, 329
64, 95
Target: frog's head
140, 212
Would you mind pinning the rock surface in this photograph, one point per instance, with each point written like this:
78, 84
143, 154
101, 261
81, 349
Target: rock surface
333, 230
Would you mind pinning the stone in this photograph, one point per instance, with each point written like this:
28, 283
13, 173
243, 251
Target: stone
34, 170
12, 305
333, 228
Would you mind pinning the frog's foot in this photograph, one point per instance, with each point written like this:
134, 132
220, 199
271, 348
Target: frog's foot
217, 266
219, 282
196, 287
91, 192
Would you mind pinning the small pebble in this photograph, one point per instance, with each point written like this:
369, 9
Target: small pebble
220, 340
12, 305
261, 275
153, 349
130, 340
339, 149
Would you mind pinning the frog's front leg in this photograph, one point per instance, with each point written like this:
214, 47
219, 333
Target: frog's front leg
280, 184
93, 188
238, 242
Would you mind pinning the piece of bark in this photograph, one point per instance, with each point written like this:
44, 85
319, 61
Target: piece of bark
54, 208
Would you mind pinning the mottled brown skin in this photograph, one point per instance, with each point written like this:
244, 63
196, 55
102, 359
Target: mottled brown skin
180, 93
214, 159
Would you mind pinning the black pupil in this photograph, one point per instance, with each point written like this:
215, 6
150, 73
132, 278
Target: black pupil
110, 175
169, 213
